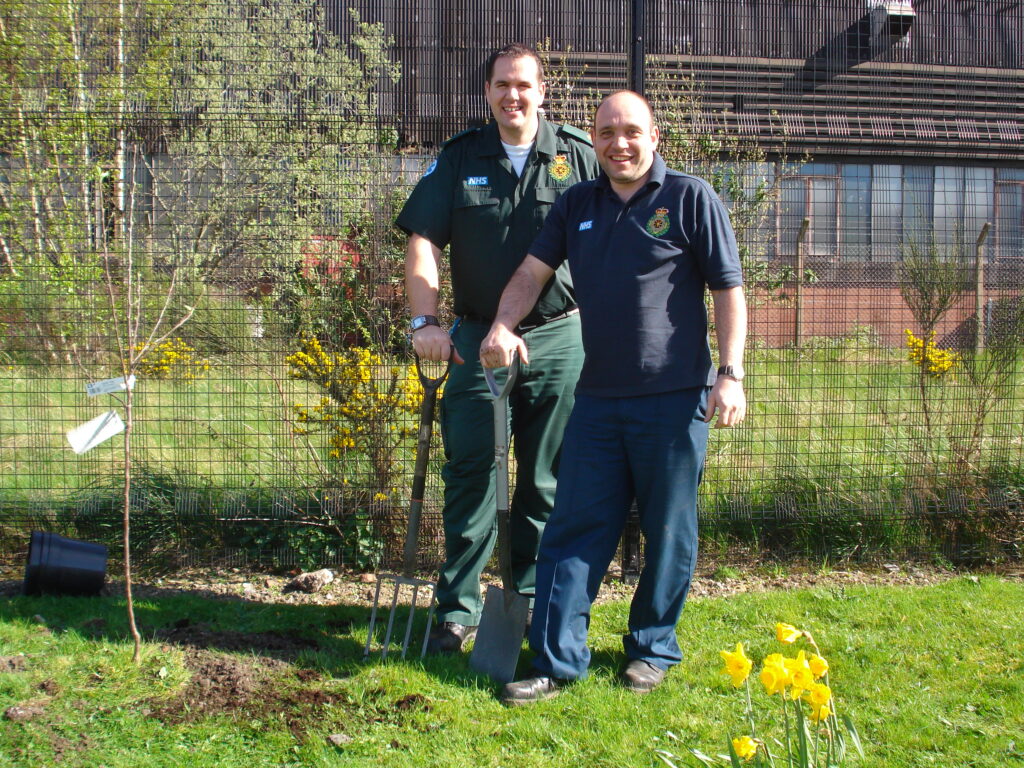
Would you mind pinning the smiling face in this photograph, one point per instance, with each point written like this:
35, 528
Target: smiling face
514, 94
625, 138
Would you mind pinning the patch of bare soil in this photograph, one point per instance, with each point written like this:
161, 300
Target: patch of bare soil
64, 748
12, 663
21, 713
357, 589
219, 683
264, 687
251, 684
273, 645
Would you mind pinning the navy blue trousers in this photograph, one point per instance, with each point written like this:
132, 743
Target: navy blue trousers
650, 448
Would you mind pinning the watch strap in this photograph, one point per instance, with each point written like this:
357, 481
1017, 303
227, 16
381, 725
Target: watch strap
421, 321
730, 372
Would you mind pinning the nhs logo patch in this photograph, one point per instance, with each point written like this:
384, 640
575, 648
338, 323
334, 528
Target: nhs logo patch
476, 181
584, 225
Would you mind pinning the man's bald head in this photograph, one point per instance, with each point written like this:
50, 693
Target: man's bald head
624, 96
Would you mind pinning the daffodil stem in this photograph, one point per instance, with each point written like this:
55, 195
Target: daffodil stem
785, 719
835, 712
831, 725
810, 639
750, 712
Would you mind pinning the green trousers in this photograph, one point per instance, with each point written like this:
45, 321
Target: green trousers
539, 407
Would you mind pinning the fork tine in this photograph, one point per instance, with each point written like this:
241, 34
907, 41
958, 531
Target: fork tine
408, 623
430, 619
373, 621
391, 621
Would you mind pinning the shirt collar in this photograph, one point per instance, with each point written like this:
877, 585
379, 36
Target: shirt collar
547, 145
544, 142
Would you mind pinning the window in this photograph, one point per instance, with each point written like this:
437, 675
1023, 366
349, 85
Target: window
871, 212
810, 194
918, 191
855, 213
1008, 238
886, 212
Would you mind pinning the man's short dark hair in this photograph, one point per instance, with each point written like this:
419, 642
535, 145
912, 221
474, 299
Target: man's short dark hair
513, 51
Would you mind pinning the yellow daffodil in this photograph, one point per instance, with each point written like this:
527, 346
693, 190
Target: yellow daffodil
819, 695
745, 747
820, 713
818, 666
737, 665
800, 674
787, 633
774, 675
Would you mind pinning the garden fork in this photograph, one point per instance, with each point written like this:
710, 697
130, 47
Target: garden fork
419, 482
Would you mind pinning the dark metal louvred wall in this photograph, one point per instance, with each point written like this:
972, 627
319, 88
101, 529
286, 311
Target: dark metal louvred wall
813, 75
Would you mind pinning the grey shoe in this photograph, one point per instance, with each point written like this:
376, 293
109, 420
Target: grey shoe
641, 676
529, 690
449, 637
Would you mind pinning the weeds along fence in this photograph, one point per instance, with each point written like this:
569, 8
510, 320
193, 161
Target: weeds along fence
202, 194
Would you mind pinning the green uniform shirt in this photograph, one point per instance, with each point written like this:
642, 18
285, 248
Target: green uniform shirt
471, 199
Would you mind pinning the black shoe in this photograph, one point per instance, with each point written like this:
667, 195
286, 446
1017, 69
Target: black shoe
529, 690
641, 676
449, 637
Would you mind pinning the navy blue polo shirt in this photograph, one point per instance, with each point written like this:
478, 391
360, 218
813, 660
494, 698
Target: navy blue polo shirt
640, 269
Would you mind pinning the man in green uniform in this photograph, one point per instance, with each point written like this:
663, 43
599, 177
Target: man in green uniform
485, 197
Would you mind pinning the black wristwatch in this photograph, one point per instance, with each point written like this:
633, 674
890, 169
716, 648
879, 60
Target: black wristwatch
422, 321
730, 372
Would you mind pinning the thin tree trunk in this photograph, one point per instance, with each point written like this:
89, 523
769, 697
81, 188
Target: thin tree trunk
128, 424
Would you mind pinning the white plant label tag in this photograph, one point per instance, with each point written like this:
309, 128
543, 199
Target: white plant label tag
109, 385
95, 431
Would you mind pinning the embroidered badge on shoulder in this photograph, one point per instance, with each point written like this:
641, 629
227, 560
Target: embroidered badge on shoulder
658, 224
559, 169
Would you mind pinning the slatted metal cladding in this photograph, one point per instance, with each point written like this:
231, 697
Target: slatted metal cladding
833, 76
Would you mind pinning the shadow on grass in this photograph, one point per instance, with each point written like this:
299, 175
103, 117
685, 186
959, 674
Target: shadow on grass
325, 639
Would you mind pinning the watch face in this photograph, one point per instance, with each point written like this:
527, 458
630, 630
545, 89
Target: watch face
421, 321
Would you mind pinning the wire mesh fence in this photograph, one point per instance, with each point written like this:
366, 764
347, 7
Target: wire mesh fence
202, 194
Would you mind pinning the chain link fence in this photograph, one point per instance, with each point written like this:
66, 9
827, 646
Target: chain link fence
202, 194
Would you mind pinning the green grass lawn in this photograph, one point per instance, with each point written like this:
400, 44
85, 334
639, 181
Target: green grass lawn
931, 675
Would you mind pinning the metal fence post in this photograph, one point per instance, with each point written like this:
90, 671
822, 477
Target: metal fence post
979, 286
798, 326
637, 48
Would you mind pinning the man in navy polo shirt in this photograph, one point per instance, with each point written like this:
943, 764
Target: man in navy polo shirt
642, 243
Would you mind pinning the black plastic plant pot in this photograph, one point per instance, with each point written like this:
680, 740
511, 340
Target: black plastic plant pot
60, 566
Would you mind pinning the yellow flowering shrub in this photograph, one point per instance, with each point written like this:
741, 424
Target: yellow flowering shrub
928, 356
172, 359
366, 410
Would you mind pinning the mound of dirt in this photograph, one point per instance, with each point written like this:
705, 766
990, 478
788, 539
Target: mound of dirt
271, 645
219, 683
260, 683
12, 663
